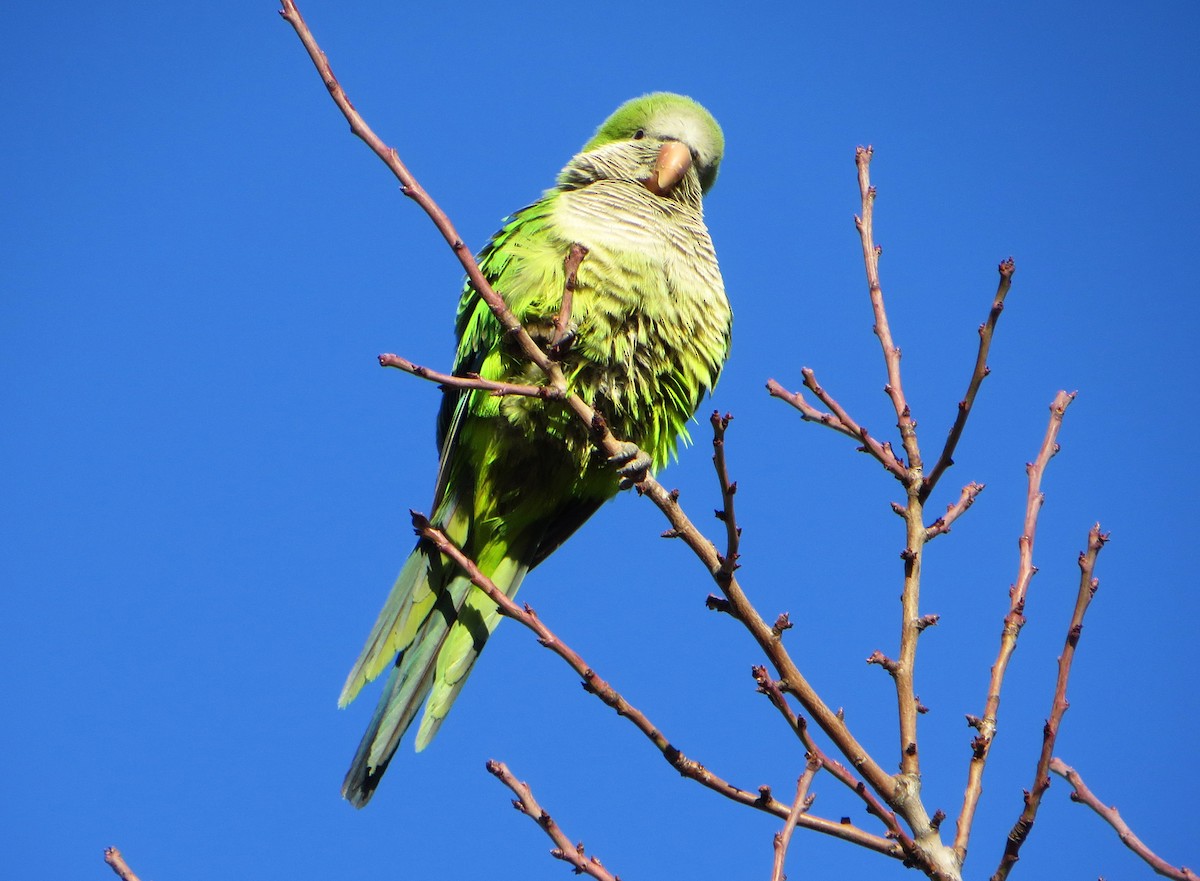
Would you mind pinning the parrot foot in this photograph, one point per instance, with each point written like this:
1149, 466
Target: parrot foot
562, 341
634, 464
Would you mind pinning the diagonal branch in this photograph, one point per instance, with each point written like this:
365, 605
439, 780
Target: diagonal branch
1058, 708
411, 188
800, 725
800, 805
1083, 795
471, 380
596, 685
117, 863
563, 849
839, 420
965, 500
986, 330
981, 745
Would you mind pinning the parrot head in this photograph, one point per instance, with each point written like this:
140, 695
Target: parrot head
668, 143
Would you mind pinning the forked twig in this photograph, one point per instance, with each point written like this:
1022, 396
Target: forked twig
802, 802
563, 849
1058, 708
596, 685
839, 420
799, 724
1085, 796
891, 352
1013, 622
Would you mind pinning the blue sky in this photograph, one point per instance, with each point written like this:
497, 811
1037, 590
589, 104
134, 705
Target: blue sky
206, 476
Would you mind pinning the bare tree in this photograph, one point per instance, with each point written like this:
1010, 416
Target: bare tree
905, 830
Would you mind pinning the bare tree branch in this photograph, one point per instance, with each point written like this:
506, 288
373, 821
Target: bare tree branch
563, 849
1058, 708
733, 532
562, 322
1083, 795
891, 352
117, 863
986, 330
839, 420
411, 188
596, 685
799, 724
800, 804
470, 380
942, 525
1013, 622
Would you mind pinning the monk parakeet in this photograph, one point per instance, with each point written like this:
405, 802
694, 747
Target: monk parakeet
518, 475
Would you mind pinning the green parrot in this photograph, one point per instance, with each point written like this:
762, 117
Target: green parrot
650, 329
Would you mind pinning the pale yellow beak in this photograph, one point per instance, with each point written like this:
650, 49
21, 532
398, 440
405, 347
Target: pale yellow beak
674, 160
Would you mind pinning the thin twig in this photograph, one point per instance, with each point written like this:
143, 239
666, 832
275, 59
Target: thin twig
906, 698
1085, 796
470, 380
839, 420
562, 322
595, 684
965, 500
1013, 622
986, 330
411, 188
733, 532
891, 352
117, 863
799, 724
563, 848
1058, 708
802, 802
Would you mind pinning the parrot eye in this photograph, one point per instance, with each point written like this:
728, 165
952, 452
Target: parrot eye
639, 134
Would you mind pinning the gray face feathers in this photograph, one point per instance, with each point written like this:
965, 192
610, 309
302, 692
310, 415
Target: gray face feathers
647, 136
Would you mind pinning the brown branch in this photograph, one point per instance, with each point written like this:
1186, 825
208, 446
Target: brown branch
1058, 708
965, 500
471, 380
1013, 622
562, 322
563, 849
800, 805
411, 188
986, 330
891, 352
117, 863
839, 420
915, 536
1085, 796
733, 532
907, 848
596, 685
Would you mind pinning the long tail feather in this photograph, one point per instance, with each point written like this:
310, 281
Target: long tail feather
439, 631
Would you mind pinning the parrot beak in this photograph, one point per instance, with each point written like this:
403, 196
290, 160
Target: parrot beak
674, 160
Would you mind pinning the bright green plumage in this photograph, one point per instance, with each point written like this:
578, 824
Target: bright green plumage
518, 475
